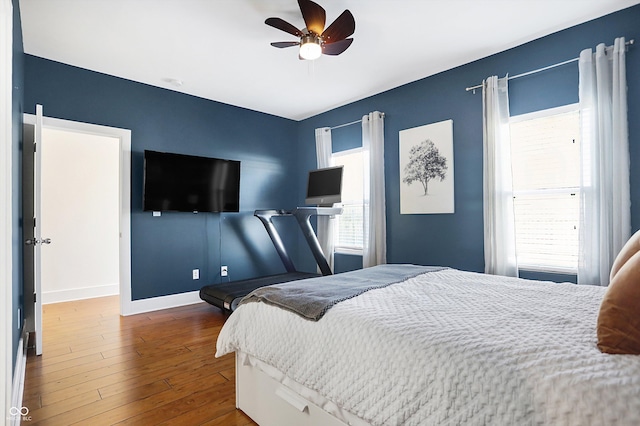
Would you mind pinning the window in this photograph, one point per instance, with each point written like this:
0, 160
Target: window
545, 150
349, 229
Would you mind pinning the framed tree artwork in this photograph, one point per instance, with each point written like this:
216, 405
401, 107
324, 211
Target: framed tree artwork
426, 169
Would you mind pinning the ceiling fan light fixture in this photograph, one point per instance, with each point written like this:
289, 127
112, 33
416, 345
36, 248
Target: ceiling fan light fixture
315, 40
310, 48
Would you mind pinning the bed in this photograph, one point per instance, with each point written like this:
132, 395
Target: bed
439, 346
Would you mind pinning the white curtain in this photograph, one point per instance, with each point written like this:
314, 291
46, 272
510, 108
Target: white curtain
325, 223
375, 227
499, 222
605, 223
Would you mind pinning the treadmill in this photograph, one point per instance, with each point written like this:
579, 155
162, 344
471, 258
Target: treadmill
226, 296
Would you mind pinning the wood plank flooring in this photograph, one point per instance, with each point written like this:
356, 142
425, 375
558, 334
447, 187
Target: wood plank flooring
157, 368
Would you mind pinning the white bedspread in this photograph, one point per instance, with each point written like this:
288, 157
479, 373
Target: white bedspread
451, 347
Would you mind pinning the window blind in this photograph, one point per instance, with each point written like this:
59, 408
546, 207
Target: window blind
349, 235
546, 184
350, 227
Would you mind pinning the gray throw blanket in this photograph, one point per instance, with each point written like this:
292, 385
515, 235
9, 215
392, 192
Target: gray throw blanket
313, 297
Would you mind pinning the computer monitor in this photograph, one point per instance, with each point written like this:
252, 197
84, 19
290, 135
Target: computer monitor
324, 186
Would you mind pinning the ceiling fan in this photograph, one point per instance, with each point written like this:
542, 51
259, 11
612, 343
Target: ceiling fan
315, 40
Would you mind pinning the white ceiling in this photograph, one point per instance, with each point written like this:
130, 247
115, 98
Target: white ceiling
220, 49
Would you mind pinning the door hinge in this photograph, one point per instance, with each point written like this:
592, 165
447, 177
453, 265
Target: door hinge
35, 297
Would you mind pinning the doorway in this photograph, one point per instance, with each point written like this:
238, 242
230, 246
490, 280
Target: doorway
122, 137
79, 187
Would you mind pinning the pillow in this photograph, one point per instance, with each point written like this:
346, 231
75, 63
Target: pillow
618, 326
629, 249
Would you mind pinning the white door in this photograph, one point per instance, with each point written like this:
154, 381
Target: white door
37, 229
31, 194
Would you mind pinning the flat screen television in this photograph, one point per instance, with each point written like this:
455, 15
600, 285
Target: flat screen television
186, 183
324, 186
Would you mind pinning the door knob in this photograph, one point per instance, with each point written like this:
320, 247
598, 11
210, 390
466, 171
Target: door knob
34, 241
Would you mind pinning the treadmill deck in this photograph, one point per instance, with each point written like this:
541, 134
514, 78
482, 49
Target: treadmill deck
226, 296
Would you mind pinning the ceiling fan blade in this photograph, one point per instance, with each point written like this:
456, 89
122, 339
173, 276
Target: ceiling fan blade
336, 48
341, 28
282, 44
283, 25
314, 16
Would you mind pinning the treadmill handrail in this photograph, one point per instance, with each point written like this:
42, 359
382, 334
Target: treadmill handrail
302, 215
265, 217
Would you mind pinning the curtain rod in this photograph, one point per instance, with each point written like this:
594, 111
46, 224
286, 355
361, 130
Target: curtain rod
349, 124
345, 124
479, 86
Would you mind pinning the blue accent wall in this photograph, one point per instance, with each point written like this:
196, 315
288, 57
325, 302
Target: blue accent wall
277, 154
456, 240
16, 176
165, 249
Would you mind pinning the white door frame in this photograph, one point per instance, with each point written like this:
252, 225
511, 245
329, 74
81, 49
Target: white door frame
124, 135
7, 238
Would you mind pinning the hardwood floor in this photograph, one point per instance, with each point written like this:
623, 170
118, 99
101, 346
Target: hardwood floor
157, 368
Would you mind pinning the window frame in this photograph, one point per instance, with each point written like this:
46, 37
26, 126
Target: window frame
563, 109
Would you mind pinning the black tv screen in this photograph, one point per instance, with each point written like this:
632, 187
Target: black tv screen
186, 183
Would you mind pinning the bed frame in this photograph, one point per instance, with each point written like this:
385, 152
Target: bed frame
270, 403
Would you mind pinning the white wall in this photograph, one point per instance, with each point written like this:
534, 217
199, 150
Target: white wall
80, 213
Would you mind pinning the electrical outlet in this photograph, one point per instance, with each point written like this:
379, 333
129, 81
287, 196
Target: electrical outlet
196, 274
224, 271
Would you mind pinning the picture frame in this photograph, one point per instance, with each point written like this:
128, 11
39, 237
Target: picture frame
426, 169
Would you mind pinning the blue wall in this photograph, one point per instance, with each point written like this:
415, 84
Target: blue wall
273, 150
456, 240
167, 248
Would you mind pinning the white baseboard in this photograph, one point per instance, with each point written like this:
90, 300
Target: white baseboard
18, 381
80, 293
127, 307
161, 302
